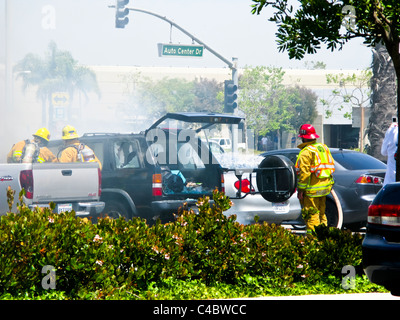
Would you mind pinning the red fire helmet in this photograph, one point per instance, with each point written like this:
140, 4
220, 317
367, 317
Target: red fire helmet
307, 131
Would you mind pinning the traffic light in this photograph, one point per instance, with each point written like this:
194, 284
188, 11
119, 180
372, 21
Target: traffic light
121, 19
230, 96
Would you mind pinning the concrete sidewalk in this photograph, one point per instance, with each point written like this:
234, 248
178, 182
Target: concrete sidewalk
345, 296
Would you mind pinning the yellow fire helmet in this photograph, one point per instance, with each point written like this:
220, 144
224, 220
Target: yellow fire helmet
42, 133
69, 132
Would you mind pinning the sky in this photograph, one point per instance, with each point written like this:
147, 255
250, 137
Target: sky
86, 28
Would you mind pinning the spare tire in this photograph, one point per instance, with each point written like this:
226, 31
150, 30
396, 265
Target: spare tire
276, 178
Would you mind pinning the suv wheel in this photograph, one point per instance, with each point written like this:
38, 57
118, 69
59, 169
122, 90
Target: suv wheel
115, 210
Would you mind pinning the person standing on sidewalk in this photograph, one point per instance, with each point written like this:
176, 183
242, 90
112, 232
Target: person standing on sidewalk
389, 149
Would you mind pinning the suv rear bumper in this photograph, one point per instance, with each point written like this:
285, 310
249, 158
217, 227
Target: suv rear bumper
381, 260
170, 206
90, 208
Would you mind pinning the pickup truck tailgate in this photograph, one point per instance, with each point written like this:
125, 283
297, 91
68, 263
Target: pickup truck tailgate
58, 182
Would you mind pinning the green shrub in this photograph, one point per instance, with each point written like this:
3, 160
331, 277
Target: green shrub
98, 260
332, 249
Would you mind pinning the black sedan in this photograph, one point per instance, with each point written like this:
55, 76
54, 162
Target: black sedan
358, 178
381, 245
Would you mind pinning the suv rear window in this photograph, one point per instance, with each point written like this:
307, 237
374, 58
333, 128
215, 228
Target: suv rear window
357, 161
188, 157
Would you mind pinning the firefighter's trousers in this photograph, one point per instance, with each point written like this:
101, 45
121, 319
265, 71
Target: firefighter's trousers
313, 211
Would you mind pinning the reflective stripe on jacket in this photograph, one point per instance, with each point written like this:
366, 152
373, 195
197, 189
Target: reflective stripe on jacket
314, 168
324, 165
16, 153
70, 154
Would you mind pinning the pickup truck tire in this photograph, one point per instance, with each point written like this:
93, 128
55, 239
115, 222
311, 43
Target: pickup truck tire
276, 185
115, 209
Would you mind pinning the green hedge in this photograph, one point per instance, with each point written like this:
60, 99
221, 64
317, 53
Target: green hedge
205, 246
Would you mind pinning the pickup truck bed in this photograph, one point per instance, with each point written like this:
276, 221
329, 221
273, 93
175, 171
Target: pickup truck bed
71, 186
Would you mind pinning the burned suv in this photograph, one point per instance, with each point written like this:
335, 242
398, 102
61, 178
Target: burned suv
151, 174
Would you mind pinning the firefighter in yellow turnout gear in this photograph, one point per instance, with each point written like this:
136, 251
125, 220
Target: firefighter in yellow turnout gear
34, 150
73, 150
314, 167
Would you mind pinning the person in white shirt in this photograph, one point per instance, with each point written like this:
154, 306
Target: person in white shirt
389, 149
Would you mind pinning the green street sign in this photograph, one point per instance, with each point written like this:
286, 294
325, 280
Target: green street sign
178, 50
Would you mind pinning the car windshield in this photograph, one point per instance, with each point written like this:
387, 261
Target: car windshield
357, 161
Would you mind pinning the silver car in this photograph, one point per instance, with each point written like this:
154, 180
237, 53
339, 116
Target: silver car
358, 178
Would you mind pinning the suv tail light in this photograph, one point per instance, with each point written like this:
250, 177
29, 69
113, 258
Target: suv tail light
369, 179
222, 183
99, 182
26, 181
157, 185
386, 214
245, 186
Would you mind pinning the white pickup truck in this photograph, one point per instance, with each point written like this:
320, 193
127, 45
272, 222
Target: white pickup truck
71, 186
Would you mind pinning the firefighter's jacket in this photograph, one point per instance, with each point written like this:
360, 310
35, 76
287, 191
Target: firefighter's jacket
314, 168
71, 154
16, 153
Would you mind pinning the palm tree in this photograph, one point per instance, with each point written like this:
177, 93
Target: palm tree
383, 99
57, 72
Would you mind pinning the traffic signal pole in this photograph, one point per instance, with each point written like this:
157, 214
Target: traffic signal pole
233, 65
